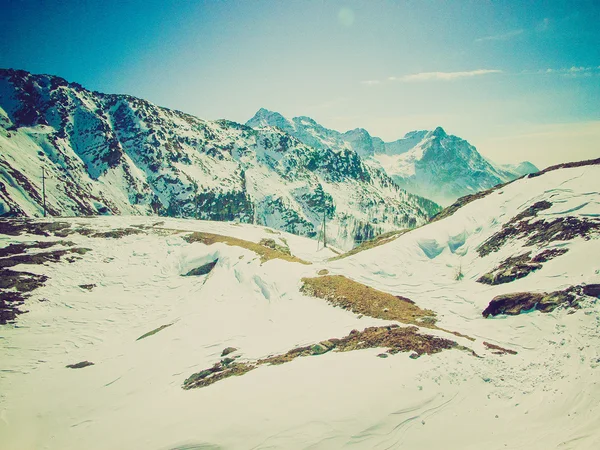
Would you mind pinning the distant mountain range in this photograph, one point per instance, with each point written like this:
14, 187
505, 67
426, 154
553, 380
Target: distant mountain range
117, 154
431, 164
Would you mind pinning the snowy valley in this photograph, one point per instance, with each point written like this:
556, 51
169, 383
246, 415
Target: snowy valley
479, 329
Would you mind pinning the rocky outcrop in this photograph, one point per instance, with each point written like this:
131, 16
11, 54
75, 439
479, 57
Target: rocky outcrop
521, 302
520, 266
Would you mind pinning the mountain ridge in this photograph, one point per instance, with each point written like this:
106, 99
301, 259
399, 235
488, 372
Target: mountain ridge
429, 163
117, 154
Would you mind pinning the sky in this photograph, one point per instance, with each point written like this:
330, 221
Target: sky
517, 79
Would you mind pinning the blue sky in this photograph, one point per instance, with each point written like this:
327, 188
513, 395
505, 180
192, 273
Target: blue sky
518, 79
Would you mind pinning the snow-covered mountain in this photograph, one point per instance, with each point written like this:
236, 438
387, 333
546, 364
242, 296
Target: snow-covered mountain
116, 154
431, 164
480, 330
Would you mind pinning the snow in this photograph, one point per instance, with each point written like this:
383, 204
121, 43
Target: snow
546, 396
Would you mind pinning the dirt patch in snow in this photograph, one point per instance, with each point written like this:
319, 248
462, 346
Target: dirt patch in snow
15, 227
118, 233
80, 365
43, 257
156, 330
266, 253
270, 243
588, 162
360, 299
396, 339
522, 302
540, 231
15, 249
497, 350
14, 290
519, 266
15, 286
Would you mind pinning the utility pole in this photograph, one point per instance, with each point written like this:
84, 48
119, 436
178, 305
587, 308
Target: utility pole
324, 235
44, 190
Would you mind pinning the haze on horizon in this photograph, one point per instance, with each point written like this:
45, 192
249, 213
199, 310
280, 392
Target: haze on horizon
519, 80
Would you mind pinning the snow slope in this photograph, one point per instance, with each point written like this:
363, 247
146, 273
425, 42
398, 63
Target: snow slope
431, 164
116, 154
546, 396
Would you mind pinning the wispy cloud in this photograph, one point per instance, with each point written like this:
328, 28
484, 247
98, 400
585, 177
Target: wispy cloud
574, 71
501, 37
443, 76
370, 82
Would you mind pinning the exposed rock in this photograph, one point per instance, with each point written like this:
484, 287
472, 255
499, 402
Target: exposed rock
270, 243
40, 258
549, 254
593, 290
87, 287
228, 350
203, 269
520, 266
392, 337
539, 231
517, 303
80, 365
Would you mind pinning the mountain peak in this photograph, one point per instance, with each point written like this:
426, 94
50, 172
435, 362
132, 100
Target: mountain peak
265, 117
439, 132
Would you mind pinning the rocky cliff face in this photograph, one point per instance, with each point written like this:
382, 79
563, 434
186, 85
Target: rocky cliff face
116, 154
431, 164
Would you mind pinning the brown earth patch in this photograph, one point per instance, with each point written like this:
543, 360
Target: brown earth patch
497, 350
396, 339
270, 243
156, 330
266, 253
15, 227
118, 233
360, 299
42, 257
15, 249
588, 162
